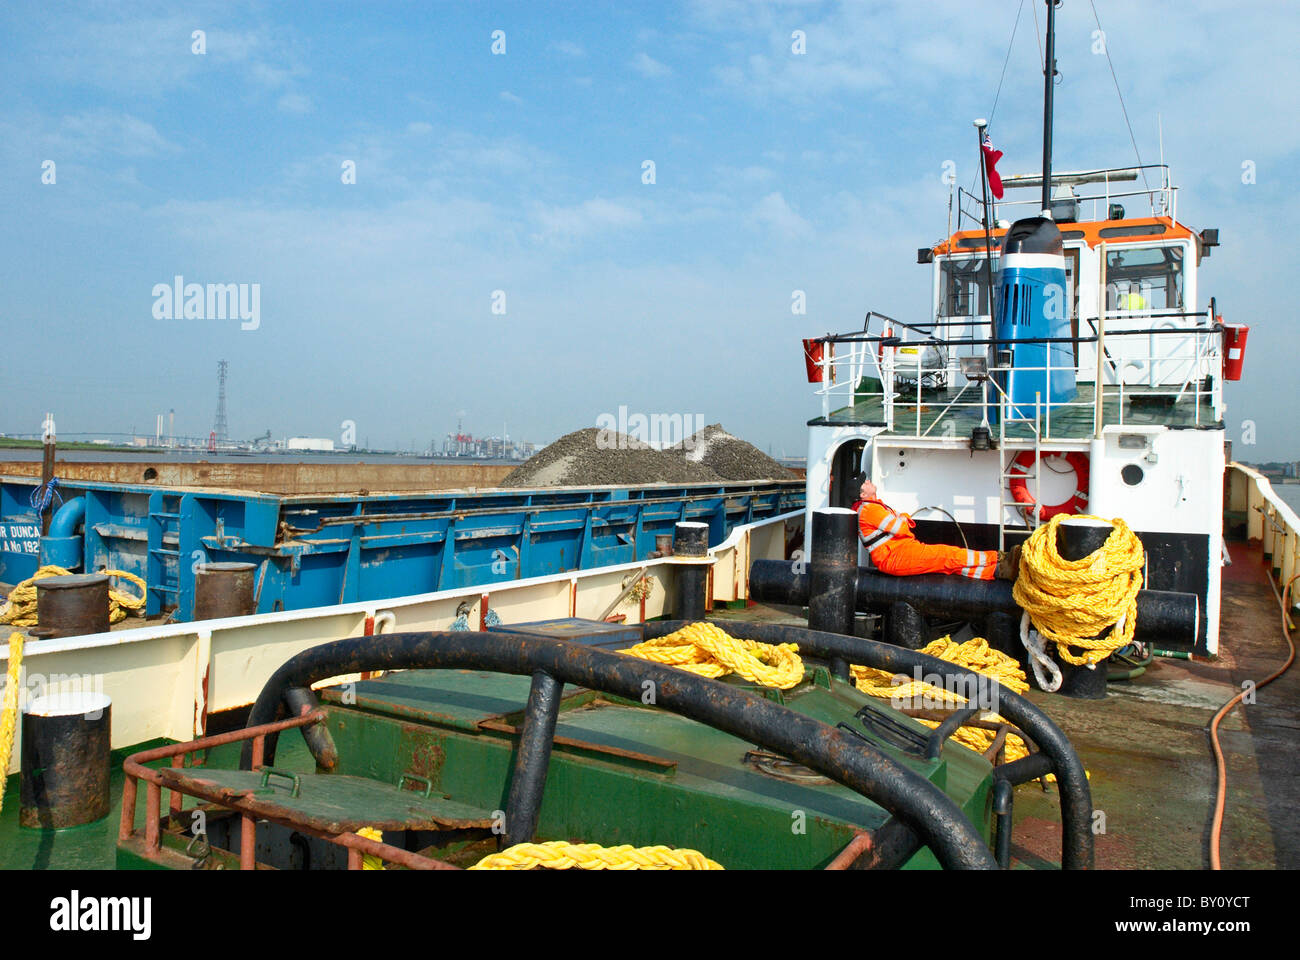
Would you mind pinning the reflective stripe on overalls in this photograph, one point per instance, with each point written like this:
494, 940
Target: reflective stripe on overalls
975, 565
890, 528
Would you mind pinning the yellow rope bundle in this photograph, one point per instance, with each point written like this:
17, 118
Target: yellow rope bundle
9, 713
562, 855
975, 654
1073, 601
20, 610
368, 860
705, 649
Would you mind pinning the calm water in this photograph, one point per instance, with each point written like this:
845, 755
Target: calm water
1290, 492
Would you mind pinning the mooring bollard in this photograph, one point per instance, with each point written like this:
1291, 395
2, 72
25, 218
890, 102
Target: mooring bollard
1076, 538
905, 626
223, 590
692, 560
72, 605
65, 760
834, 576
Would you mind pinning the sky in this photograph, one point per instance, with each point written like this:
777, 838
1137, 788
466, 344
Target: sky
499, 250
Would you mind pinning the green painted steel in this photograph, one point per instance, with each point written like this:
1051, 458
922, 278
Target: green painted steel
620, 772
627, 773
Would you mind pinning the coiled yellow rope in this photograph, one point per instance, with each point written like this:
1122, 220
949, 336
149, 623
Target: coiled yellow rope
562, 855
975, 654
20, 610
1072, 602
368, 860
9, 713
707, 650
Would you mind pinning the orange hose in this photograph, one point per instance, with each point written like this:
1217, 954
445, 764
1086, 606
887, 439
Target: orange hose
1222, 794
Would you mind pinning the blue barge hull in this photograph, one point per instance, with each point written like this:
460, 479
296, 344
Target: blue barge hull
315, 550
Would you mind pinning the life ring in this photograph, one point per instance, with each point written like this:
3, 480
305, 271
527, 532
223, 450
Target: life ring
1076, 504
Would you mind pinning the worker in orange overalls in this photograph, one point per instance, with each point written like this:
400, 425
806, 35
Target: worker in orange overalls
888, 537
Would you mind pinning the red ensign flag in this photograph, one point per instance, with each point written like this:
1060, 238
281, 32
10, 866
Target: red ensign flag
991, 158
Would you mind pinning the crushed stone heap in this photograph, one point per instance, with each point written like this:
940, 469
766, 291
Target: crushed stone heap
595, 457
730, 457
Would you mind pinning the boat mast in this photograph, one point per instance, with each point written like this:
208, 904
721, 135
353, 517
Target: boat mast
1049, 74
980, 126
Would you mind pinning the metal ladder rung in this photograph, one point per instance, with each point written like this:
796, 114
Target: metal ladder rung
170, 553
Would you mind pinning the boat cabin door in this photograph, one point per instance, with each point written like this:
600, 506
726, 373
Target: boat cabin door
848, 461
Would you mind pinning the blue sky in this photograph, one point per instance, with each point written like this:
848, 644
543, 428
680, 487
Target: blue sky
522, 172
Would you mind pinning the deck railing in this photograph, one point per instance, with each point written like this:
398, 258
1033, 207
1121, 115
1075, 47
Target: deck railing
1268, 518
1180, 367
1098, 193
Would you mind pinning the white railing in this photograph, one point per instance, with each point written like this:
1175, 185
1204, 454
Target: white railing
1269, 519
165, 680
1178, 365
1101, 189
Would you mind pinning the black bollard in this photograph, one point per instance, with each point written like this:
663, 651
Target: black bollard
72, 605
1076, 538
905, 627
65, 760
1002, 631
834, 576
223, 590
691, 557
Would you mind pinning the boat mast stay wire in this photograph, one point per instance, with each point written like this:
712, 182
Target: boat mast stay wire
1038, 35
998, 93
1106, 49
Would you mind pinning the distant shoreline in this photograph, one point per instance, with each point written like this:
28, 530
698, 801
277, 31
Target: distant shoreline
89, 453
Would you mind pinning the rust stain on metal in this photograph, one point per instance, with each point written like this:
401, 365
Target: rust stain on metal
427, 755
280, 478
201, 720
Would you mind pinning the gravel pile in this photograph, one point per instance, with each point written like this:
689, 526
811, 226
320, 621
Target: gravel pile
595, 457
730, 457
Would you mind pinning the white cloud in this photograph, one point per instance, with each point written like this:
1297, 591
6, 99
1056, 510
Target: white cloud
649, 67
752, 175
294, 103
509, 97
773, 211
568, 48
584, 219
107, 131
419, 127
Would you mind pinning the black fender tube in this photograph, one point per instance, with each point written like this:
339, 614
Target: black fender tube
1072, 781
1165, 617
933, 816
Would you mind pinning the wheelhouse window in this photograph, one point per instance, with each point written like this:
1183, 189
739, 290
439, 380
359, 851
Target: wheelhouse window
1144, 278
963, 287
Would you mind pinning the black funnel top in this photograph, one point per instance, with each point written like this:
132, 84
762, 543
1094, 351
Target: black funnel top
1033, 235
